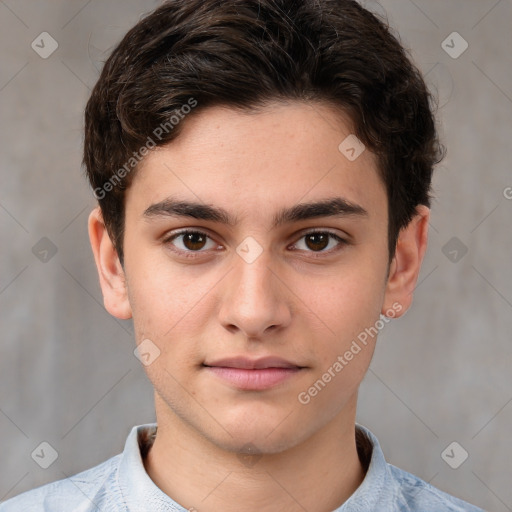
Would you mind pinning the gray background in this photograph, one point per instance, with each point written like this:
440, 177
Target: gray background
67, 369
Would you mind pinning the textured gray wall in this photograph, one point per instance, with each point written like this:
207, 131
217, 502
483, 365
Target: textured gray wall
67, 369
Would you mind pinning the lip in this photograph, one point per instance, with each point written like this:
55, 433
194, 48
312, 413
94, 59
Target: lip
253, 374
252, 364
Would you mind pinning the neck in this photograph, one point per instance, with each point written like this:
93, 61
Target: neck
319, 474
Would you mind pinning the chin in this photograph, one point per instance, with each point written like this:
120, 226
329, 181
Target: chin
249, 444
263, 436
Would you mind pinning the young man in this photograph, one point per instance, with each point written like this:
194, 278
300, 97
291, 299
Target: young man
263, 174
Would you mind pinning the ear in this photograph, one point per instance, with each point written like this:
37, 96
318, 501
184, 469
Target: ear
406, 264
110, 270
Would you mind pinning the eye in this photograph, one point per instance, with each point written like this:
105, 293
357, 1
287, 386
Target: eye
191, 241
319, 241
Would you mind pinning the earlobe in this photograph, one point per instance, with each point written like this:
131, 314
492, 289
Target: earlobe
110, 270
406, 264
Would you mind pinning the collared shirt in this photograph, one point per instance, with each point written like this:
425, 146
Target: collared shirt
121, 484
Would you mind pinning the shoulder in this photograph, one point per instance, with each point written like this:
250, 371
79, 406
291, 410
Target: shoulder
84, 492
416, 494
386, 487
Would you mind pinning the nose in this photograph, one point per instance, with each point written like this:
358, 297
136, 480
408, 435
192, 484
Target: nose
254, 299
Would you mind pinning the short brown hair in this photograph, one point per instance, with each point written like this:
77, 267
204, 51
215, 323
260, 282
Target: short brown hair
244, 54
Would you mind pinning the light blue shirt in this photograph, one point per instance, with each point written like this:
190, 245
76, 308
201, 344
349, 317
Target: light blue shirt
121, 484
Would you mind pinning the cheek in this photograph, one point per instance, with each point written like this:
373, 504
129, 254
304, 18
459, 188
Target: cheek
345, 350
346, 304
164, 295
346, 311
165, 307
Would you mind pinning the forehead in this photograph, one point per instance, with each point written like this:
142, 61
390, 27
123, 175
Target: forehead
285, 153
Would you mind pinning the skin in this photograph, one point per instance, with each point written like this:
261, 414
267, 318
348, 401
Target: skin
297, 300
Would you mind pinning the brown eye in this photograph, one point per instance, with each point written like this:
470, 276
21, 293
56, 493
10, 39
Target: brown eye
191, 241
194, 241
317, 241
320, 242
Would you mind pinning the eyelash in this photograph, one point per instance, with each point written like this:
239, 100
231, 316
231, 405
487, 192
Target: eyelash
316, 254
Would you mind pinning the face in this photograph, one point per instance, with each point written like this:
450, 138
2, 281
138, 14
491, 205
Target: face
255, 257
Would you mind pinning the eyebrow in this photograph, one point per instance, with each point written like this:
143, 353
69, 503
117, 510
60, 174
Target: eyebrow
334, 207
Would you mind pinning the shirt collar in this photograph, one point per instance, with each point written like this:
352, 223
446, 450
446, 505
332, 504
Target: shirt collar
378, 478
141, 494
